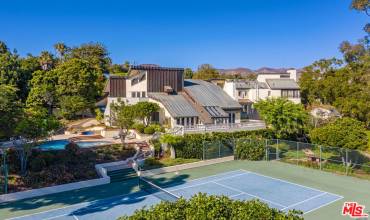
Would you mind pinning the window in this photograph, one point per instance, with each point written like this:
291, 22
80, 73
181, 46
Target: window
269, 93
178, 121
143, 94
138, 94
133, 94
290, 93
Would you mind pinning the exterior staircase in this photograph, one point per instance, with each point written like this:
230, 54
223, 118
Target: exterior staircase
121, 175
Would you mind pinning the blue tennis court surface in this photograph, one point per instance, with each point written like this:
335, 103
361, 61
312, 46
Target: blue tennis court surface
238, 184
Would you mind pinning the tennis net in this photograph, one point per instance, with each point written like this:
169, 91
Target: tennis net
157, 191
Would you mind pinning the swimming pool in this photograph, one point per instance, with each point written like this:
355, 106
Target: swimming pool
61, 144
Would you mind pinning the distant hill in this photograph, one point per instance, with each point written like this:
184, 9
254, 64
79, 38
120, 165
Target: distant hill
243, 72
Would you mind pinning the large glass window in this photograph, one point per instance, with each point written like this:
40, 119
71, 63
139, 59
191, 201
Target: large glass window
290, 93
133, 94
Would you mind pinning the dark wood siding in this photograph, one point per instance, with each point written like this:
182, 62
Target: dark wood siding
159, 78
117, 86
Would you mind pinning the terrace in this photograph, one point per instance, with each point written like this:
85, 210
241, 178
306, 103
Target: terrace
230, 127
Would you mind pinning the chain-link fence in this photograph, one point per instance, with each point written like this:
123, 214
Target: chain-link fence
333, 159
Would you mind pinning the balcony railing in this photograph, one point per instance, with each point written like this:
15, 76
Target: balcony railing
250, 125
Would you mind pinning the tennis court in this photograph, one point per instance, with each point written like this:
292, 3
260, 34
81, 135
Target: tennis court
236, 184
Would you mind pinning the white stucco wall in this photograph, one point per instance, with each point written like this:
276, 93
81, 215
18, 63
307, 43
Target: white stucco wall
229, 88
139, 87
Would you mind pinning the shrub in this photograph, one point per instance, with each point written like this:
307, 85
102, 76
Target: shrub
344, 132
366, 167
250, 150
139, 127
149, 130
202, 206
37, 164
72, 148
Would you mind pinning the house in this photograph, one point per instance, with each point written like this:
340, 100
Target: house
189, 104
267, 85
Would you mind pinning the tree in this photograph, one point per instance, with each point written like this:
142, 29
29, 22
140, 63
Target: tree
10, 110
171, 140
46, 60
202, 206
43, 90
76, 77
284, 117
122, 116
188, 73
35, 125
95, 54
144, 111
205, 72
70, 106
345, 133
62, 49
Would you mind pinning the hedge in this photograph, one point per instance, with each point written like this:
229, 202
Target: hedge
206, 207
191, 145
250, 149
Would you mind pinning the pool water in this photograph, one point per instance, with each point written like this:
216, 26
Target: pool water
61, 144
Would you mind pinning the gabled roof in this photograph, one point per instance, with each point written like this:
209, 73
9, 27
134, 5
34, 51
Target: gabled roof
282, 84
176, 105
209, 94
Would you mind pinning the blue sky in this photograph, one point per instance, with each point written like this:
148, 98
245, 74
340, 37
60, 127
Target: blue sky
226, 34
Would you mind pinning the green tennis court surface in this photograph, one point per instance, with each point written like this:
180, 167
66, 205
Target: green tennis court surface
317, 193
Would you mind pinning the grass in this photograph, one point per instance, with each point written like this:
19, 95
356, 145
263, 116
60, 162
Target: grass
151, 163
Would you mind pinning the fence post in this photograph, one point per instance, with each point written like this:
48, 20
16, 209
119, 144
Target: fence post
297, 152
219, 149
277, 149
346, 162
204, 151
266, 149
320, 160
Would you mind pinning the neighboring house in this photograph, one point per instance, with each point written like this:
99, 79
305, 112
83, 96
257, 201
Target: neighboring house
267, 85
183, 103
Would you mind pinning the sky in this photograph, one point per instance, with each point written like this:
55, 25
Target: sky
226, 34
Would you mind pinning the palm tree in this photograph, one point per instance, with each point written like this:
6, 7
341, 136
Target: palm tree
61, 48
46, 60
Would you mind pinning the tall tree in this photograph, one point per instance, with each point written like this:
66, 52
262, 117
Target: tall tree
46, 60
43, 90
76, 77
10, 110
93, 53
61, 48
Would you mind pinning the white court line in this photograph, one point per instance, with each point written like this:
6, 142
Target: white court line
205, 177
82, 203
236, 195
307, 187
313, 197
341, 197
108, 198
249, 194
203, 183
75, 217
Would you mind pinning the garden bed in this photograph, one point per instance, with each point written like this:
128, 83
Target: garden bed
50, 168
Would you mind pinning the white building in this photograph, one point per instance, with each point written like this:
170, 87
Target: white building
185, 103
267, 85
